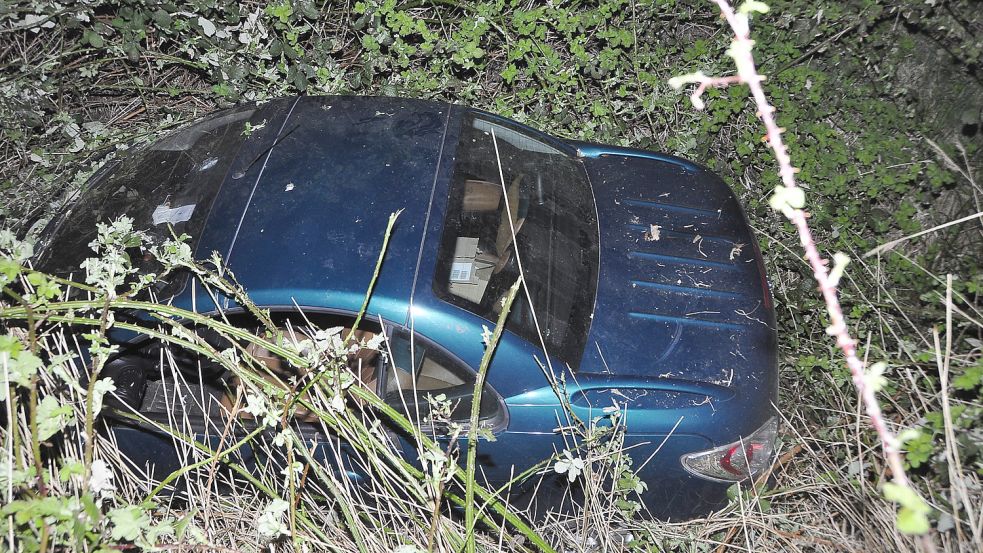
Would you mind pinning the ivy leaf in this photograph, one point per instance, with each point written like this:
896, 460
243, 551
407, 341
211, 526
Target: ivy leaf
207, 26
93, 38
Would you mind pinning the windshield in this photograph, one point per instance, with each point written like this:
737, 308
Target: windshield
542, 195
166, 187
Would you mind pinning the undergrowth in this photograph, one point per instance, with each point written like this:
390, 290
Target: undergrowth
81, 81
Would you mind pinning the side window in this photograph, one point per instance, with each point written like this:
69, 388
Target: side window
416, 373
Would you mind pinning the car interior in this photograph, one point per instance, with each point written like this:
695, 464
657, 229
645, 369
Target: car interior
169, 386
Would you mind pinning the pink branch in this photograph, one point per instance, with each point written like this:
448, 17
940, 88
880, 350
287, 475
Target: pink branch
747, 73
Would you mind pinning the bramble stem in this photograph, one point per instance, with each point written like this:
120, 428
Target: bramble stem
741, 52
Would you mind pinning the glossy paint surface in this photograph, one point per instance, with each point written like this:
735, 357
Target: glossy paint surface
682, 336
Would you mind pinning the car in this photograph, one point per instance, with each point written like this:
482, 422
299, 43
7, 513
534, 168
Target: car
643, 286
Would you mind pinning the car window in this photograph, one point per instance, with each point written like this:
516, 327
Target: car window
167, 186
508, 180
416, 373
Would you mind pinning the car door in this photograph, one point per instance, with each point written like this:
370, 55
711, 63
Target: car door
434, 388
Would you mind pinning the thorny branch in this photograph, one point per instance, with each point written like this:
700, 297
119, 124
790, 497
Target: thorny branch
790, 199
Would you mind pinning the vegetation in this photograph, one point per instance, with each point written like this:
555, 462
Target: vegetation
884, 150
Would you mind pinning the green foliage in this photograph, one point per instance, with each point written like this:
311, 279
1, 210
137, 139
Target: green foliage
913, 516
919, 449
81, 81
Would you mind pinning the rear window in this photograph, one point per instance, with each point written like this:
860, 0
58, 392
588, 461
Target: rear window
542, 195
166, 187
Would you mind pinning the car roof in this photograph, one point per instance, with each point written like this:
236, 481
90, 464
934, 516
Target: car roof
305, 227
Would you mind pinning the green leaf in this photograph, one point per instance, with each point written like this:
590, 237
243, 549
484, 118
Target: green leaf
9, 269
206, 25
10, 345
970, 379
912, 522
913, 515
53, 417
752, 6
906, 497
93, 38
128, 522
875, 376
181, 526
281, 11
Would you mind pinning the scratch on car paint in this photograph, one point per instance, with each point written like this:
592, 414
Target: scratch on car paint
747, 315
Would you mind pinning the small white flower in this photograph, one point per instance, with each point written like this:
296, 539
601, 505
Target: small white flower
255, 405
282, 439
337, 403
99, 390
101, 481
270, 523
295, 471
258, 408
570, 465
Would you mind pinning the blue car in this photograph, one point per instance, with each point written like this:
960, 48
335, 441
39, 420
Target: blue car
643, 288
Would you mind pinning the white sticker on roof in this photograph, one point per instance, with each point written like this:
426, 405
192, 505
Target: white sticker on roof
173, 215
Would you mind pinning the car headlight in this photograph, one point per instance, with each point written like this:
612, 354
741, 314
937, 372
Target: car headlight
735, 461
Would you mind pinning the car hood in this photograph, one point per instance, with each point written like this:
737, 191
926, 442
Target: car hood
305, 222
681, 292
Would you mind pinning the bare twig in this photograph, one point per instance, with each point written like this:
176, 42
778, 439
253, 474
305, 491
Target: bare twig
789, 199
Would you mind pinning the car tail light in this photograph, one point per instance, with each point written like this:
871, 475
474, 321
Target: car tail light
735, 461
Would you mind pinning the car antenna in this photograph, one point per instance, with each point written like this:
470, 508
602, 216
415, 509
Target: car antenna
242, 172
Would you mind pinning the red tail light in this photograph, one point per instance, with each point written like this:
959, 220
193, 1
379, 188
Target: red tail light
735, 461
